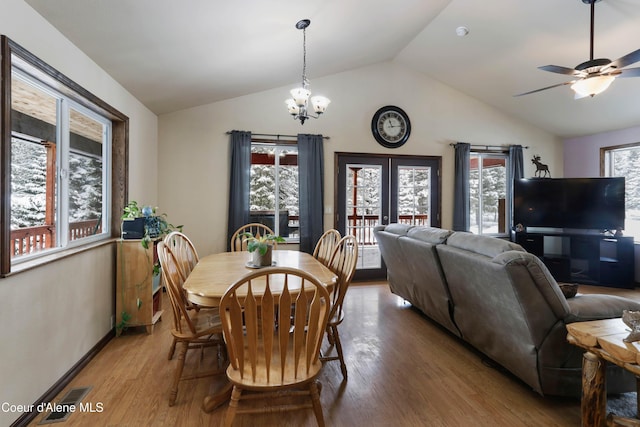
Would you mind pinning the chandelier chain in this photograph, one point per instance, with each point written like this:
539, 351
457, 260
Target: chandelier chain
305, 83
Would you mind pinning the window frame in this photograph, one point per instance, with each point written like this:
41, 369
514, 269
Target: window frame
13, 55
481, 154
605, 171
277, 145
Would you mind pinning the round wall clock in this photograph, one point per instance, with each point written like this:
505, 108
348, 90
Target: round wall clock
390, 126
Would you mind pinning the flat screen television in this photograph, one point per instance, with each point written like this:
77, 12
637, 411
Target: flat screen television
579, 203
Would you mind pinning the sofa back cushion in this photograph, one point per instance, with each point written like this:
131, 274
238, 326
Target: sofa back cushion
483, 245
399, 276
430, 292
498, 307
399, 229
432, 235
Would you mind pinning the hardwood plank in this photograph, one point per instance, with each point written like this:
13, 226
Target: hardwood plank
404, 370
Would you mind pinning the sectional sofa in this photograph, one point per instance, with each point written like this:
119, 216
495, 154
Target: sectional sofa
501, 300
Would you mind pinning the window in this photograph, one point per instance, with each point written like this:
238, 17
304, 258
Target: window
623, 161
64, 152
488, 193
273, 196
58, 158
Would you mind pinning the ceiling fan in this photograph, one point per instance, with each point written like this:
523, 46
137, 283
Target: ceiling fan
595, 75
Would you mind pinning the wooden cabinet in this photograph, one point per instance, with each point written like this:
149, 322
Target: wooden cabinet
138, 290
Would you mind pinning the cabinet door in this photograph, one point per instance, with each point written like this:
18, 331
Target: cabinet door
134, 290
530, 243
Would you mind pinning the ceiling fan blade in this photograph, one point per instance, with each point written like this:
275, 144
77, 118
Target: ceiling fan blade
545, 88
560, 70
629, 72
628, 59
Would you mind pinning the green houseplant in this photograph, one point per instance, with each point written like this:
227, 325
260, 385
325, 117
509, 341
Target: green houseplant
261, 247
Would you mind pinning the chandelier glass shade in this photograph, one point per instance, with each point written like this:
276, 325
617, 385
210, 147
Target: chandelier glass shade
591, 86
298, 104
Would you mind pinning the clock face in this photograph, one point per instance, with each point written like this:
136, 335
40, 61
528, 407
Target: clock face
390, 126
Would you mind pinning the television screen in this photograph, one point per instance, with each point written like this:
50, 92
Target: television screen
580, 203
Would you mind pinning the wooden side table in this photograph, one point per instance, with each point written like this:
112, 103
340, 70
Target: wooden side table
603, 341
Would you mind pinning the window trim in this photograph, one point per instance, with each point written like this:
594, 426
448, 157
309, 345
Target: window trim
13, 55
603, 168
508, 193
276, 144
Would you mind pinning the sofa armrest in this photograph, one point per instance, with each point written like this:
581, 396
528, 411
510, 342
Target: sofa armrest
596, 307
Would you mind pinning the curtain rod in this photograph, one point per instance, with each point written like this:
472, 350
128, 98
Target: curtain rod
491, 147
277, 136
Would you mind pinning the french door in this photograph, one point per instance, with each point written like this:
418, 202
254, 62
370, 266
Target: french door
381, 189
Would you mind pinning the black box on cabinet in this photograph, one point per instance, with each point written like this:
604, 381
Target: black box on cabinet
133, 228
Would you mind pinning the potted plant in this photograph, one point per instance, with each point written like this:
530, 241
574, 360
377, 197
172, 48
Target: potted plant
262, 248
147, 223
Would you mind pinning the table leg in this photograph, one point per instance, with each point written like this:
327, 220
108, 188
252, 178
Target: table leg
594, 395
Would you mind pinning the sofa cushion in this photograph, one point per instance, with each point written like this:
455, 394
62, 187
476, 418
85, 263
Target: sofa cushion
484, 245
597, 307
432, 235
399, 229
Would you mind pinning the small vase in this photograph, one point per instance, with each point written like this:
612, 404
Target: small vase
259, 260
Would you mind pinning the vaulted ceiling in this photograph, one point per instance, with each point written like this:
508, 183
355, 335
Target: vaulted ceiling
178, 54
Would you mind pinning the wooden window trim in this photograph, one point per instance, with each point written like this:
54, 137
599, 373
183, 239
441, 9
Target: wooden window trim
49, 75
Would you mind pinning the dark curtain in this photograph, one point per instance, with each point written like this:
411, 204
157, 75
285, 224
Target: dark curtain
311, 182
461, 193
239, 182
516, 171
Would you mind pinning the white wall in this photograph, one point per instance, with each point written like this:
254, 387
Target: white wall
53, 315
582, 154
194, 154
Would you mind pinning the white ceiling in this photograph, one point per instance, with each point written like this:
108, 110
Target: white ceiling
178, 54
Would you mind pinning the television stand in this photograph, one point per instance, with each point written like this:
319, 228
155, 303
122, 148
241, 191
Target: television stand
588, 258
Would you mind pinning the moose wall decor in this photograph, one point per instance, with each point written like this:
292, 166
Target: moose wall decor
542, 170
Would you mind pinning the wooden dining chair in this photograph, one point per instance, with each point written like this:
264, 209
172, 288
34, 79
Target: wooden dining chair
184, 251
325, 246
273, 334
239, 242
191, 329
186, 257
343, 263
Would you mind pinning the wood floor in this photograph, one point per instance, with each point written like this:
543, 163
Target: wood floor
404, 370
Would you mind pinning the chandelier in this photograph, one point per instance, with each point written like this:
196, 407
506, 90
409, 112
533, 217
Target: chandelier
299, 102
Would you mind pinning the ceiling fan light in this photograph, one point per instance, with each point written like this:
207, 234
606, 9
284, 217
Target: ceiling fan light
592, 85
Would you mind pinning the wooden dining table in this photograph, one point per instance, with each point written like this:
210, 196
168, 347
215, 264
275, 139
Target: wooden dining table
215, 273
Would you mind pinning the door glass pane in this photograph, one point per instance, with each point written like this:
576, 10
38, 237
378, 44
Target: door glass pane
85, 176
33, 169
414, 200
364, 210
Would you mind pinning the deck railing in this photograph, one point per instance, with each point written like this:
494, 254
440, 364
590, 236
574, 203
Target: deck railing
361, 226
29, 240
